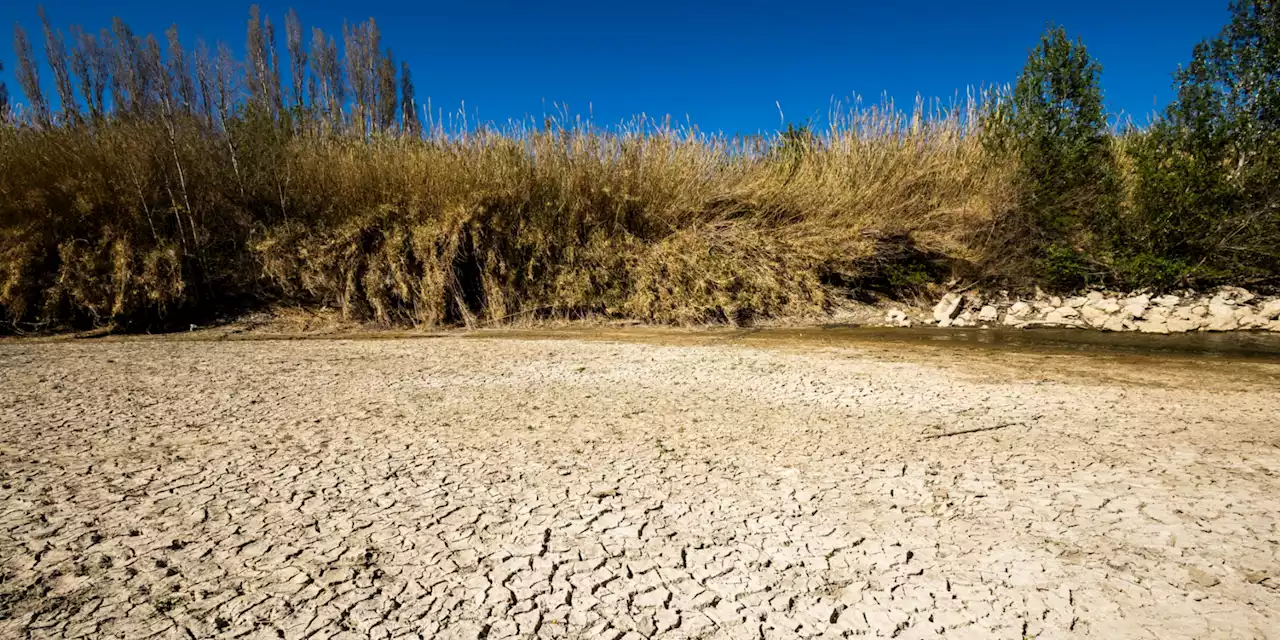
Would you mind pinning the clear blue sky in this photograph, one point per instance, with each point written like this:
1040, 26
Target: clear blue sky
721, 63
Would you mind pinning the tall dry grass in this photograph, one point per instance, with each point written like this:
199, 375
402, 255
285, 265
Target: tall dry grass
152, 221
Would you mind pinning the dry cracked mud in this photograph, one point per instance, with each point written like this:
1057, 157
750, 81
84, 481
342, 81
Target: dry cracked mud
496, 488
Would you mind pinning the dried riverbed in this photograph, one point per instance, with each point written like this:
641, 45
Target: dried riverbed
654, 488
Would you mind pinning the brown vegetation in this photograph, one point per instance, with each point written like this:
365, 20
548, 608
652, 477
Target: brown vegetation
214, 185
169, 183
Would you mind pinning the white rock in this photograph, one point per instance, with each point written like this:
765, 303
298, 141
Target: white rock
1094, 316
1136, 307
1233, 295
1020, 309
1055, 301
897, 318
1270, 310
1177, 325
1106, 305
1153, 326
988, 314
1077, 302
1247, 319
1274, 326
1199, 311
1222, 323
947, 309
1114, 323
1095, 297
1063, 316
1219, 309
1168, 301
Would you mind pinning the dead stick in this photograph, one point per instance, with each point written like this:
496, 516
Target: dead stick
974, 430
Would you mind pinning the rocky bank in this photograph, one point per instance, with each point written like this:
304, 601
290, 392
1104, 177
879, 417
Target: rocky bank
1227, 309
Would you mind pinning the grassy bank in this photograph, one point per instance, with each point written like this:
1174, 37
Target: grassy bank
207, 185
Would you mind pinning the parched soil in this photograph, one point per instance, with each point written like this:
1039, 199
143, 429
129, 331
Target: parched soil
494, 488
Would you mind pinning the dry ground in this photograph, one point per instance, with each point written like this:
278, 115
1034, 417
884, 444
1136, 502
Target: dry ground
459, 487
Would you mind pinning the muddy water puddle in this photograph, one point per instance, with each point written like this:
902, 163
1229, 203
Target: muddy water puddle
1230, 346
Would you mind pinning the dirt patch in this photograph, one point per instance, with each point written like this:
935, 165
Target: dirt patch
564, 488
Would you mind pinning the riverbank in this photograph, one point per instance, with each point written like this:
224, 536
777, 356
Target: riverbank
1225, 309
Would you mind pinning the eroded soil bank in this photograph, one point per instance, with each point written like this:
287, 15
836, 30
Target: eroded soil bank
462, 487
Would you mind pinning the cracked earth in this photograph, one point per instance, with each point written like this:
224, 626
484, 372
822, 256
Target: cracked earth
496, 488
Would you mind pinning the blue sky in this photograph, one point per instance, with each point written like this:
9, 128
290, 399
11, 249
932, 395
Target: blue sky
721, 64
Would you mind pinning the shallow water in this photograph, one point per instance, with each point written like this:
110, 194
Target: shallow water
1259, 346
1232, 345
1235, 345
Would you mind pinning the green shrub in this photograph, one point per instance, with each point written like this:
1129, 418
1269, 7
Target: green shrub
1207, 192
1068, 187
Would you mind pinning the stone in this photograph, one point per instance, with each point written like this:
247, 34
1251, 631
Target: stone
1247, 319
947, 309
1270, 310
1218, 323
1094, 316
1095, 297
603, 492
1179, 325
1106, 305
1200, 311
1021, 309
1114, 323
1222, 317
1153, 326
1136, 307
897, 318
1063, 316
1077, 302
1055, 301
1274, 326
1167, 301
988, 314
1233, 295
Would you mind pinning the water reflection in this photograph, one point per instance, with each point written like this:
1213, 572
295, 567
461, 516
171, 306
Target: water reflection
1234, 345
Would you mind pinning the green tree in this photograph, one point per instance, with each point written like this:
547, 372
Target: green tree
1067, 176
1207, 199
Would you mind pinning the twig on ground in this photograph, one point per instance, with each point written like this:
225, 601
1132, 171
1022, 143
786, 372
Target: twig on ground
934, 436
